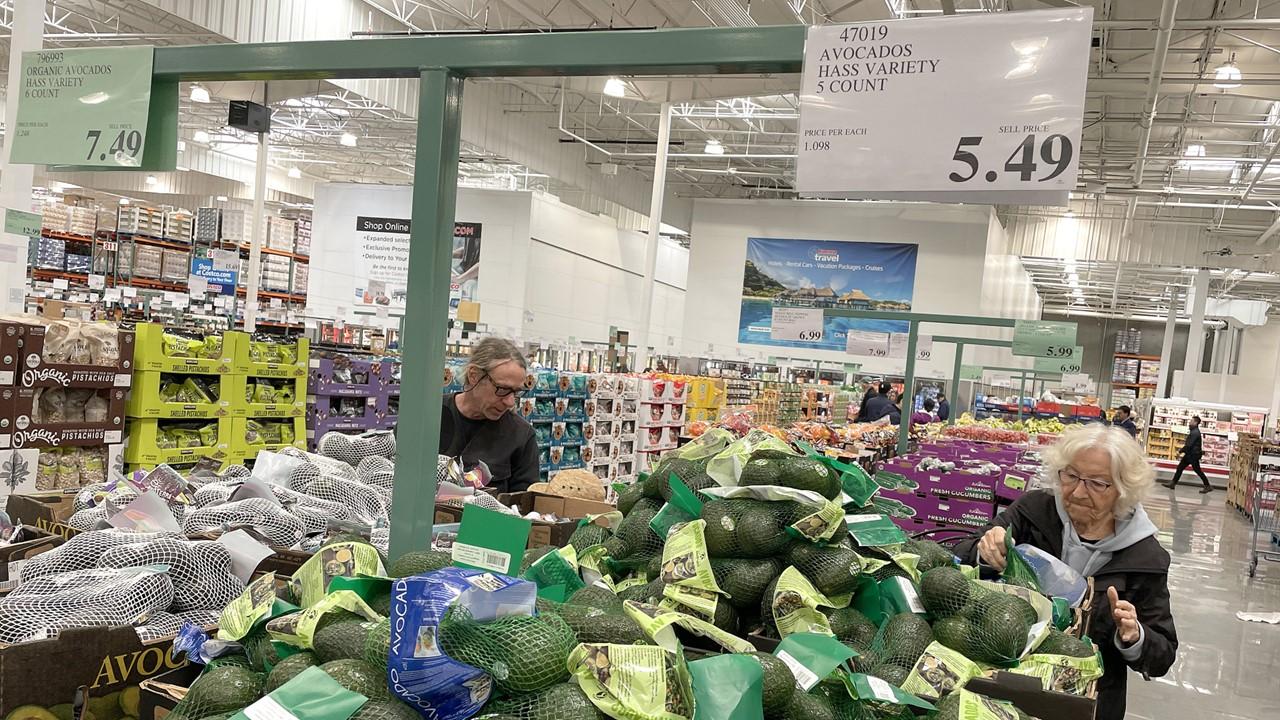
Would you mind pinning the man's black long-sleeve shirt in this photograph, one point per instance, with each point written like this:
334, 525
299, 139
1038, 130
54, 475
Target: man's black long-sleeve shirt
506, 445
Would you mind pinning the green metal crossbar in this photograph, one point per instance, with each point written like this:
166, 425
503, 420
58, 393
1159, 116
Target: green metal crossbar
960, 343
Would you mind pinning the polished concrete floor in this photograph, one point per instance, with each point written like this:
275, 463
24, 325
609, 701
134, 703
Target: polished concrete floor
1227, 669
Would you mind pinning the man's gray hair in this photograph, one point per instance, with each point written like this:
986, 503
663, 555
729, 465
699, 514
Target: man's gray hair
491, 352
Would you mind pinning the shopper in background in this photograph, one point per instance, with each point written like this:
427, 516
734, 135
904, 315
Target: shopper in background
1123, 419
868, 392
477, 424
1191, 452
881, 405
923, 417
1091, 517
944, 409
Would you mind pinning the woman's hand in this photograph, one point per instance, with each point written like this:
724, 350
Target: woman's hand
1125, 616
991, 548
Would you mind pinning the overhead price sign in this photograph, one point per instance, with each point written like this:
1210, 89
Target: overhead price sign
85, 107
1044, 339
1069, 364
868, 344
789, 323
1010, 86
898, 346
970, 372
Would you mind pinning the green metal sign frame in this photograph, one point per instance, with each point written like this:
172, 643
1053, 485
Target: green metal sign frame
441, 64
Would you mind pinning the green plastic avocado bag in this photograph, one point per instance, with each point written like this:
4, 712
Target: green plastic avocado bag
634, 682
659, 623
795, 605
940, 670
686, 569
727, 687
311, 695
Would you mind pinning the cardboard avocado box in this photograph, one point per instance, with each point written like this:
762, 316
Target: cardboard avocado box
160, 694
27, 542
1027, 693
48, 511
569, 509
104, 660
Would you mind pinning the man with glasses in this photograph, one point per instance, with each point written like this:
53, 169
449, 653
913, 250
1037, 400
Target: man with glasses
477, 424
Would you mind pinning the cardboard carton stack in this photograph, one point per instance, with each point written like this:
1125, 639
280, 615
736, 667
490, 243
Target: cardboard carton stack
612, 427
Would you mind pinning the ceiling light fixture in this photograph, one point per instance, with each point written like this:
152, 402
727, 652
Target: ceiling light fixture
1228, 75
614, 87
713, 147
200, 94
221, 198
347, 139
124, 201
295, 173
200, 136
1070, 214
152, 180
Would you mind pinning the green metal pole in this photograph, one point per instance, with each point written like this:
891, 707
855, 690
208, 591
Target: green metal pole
907, 401
1022, 390
435, 187
955, 384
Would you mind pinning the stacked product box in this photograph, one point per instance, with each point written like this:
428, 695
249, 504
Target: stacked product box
222, 396
280, 232
612, 426
704, 399
63, 386
555, 403
47, 253
659, 419
178, 225
350, 394
953, 484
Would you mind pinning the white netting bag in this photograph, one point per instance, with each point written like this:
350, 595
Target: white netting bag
81, 552
354, 449
268, 518
97, 495
381, 539
85, 598
201, 570
215, 493
89, 518
164, 625
378, 471
365, 502
327, 465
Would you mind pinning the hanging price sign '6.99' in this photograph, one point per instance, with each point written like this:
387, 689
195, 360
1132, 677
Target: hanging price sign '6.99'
803, 324
1010, 86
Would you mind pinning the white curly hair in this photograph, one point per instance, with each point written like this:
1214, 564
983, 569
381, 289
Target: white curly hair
1132, 474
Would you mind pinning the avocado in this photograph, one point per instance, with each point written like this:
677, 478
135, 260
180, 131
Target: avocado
388, 709
261, 653
931, 554
522, 653
720, 533
593, 625
533, 555
1000, 626
760, 532
1060, 643
341, 640
745, 579
223, 689
948, 707
587, 536
805, 473
771, 454
944, 591
106, 707
597, 597
287, 668
359, 676
726, 618
955, 632
760, 471
62, 711
893, 674
904, 638
809, 706
377, 644
850, 625
865, 659
634, 536
833, 570
30, 712
562, 701
419, 562
129, 698
381, 602
628, 497
779, 682
680, 467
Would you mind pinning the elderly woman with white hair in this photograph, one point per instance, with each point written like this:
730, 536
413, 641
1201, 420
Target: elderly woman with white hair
1090, 516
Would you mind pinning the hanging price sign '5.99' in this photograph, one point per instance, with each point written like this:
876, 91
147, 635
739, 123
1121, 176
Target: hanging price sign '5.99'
1010, 86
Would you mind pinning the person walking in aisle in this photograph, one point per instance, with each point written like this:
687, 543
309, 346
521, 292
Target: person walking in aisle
868, 392
1191, 452
1123, 419
882, 406
944, 409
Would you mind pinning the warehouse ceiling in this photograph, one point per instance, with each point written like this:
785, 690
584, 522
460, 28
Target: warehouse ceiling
1205, 162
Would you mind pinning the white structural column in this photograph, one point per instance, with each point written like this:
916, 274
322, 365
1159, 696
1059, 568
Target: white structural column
651, 244
1225, 366
27, 33
1195, 336
1166, 348
255, 243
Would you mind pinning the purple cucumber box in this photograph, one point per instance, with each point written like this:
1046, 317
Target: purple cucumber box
947, 511
939, 482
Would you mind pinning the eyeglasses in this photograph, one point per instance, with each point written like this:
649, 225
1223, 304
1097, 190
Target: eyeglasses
1069, 477
502, 390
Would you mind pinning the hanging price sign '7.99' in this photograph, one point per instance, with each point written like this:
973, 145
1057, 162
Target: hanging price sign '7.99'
1010, 85
83, 107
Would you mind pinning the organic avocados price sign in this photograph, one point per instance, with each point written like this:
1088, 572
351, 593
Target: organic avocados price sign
84, 107
1010, 85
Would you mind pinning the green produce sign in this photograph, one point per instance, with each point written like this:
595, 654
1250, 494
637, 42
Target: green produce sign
84, 107
26, 224
1044, 339
970, 372
1069, 364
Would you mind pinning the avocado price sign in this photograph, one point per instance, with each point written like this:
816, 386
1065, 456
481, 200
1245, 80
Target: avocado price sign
1044, 339
1011, 86
790, 323
85, 107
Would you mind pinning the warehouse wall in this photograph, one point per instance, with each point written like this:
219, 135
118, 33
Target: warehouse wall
950, 269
